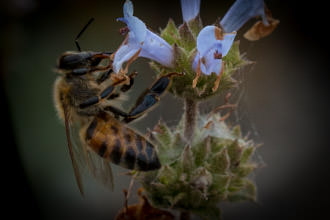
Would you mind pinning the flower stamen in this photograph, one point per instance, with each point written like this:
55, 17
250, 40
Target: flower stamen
131, 60
217, 82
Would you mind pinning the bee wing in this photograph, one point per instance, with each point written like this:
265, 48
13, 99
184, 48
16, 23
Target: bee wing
82, 156
100, 169
86, 158
73, 154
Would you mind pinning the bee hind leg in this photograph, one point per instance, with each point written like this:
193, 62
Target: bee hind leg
150, 97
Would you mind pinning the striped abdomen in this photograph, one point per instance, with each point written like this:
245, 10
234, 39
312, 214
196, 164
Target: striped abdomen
121, 145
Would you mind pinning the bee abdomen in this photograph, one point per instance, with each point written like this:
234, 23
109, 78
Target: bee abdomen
121, 145
147, 158
141, 156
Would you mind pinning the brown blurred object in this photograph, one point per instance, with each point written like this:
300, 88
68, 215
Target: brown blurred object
260, 30
142, 211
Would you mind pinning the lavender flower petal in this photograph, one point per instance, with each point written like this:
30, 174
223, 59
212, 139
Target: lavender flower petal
123, 54
140, 38
190, 9
128, 9
242, 11
157, 49
210, 43
227, 42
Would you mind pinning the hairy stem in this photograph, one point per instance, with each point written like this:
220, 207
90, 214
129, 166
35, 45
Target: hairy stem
190, 111
184, 215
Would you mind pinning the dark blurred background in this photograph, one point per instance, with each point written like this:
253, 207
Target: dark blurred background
286, 100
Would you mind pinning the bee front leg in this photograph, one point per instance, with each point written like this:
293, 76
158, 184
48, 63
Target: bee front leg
125, 87
131, 76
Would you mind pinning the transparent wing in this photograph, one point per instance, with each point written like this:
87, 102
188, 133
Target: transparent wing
86, 158
100, 169
73, 153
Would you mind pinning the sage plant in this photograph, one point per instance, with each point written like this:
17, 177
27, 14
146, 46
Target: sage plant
204, 160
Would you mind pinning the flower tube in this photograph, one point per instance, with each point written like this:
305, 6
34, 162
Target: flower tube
140, 43
190, 9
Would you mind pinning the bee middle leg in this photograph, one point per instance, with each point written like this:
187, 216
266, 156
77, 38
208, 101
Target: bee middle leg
104, 76
107, 93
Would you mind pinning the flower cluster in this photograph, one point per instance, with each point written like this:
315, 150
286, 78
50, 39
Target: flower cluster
204, 160
196, 177
192, 49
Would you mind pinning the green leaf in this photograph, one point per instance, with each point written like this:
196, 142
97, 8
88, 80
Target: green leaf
248, 192
187, 160
201, 179
170, 33
167, 175
175, 199
217, 144
234, 152
195, 25
247, 153
155, 67
163, 135
180, 126
220, 184
178, 141
236, 184
188, 41
233, 59
220, 162
236, 131
202, 151
196, 198
208, 213
173, 152
182, 63
245, 170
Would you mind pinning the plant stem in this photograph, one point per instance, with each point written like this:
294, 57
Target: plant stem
184, 215
190, 111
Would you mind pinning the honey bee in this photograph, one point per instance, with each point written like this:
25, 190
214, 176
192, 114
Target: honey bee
96, 131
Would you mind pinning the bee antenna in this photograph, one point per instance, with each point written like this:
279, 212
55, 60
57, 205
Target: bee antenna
81, 32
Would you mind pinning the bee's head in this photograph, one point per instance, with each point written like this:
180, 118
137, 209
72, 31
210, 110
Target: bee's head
79, 63
73, 60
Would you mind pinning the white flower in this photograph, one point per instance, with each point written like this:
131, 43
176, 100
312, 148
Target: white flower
140, 43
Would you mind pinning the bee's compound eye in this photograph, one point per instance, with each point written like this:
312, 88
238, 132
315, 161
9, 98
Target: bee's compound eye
80, 71
74, 60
